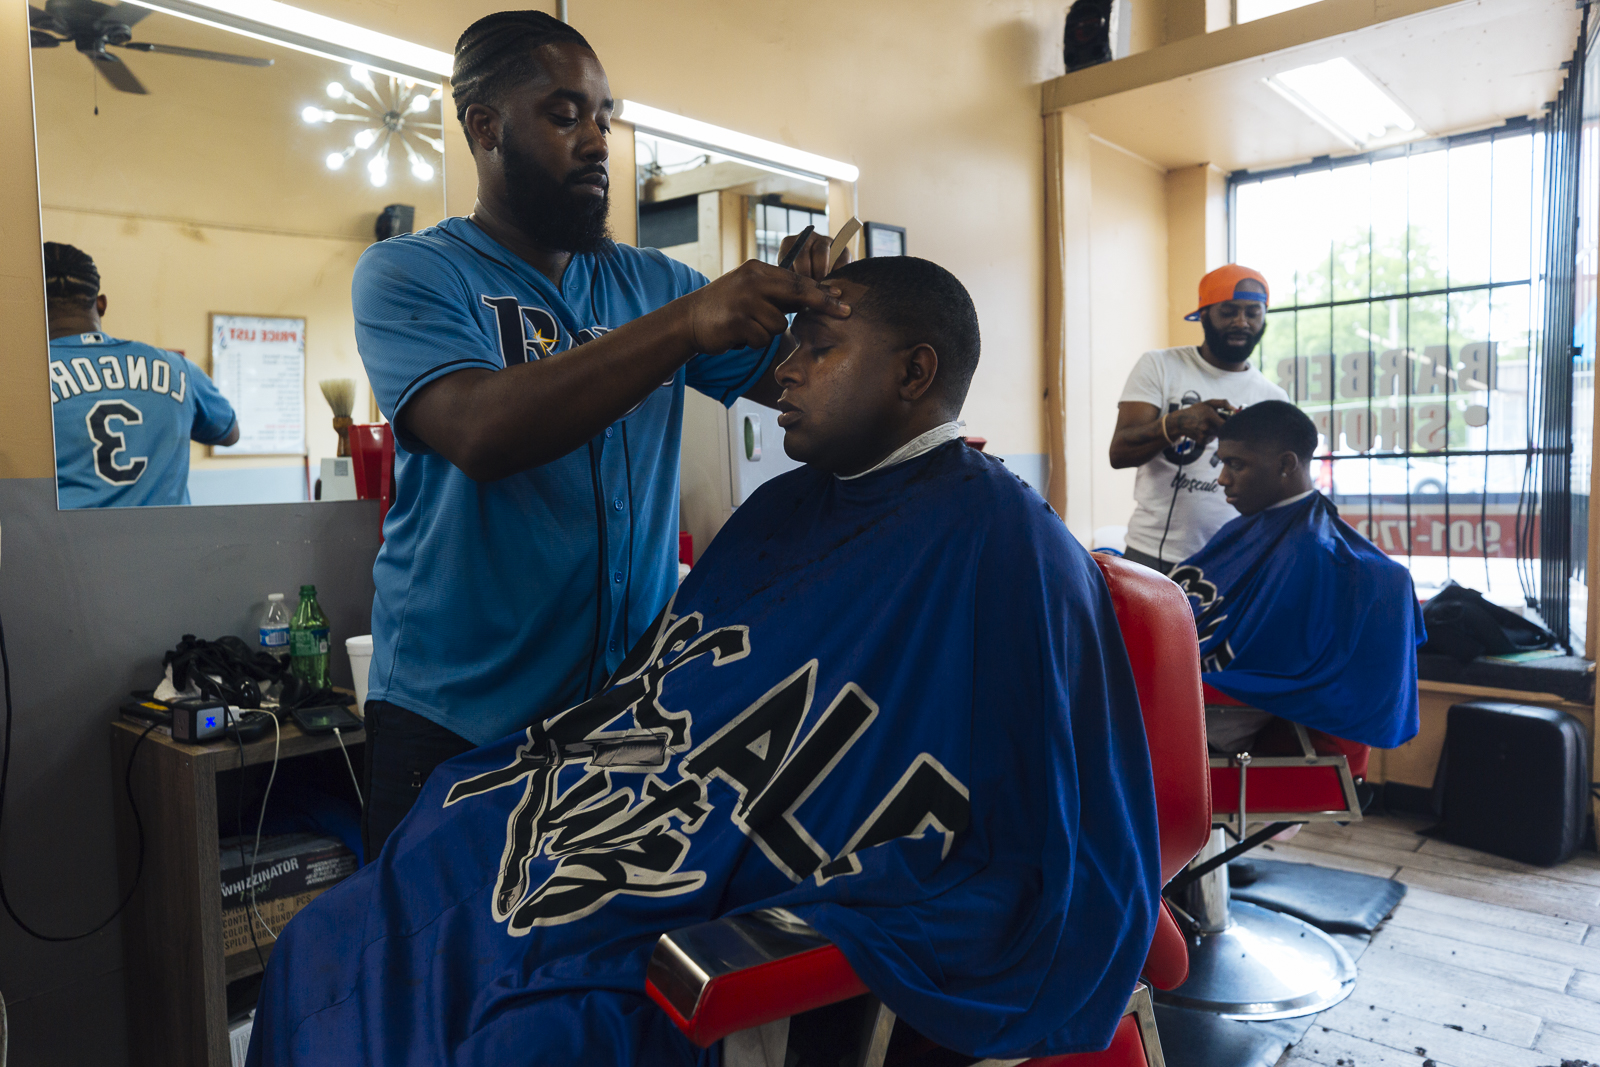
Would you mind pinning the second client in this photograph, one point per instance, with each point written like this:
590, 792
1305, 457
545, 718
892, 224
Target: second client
1299, 616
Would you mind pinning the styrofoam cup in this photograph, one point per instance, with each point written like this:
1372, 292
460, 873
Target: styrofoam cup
360, 650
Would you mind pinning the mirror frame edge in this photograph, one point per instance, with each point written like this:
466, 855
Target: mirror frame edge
27, 447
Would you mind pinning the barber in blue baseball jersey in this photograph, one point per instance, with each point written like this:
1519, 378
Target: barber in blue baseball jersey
534, 371
124, 412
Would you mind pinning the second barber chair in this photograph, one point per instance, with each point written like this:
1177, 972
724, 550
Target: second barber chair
1246, 961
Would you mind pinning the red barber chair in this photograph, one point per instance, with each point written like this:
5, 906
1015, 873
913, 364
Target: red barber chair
1246, 961
725, 979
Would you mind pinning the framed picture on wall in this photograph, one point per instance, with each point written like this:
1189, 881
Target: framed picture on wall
259, 364
885, 240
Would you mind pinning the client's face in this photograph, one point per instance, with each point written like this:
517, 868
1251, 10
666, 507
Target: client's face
841, 388
1252, 476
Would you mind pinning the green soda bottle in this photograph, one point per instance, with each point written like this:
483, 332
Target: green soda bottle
308, 640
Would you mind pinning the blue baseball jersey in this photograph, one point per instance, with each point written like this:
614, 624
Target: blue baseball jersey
499, 603
124, 415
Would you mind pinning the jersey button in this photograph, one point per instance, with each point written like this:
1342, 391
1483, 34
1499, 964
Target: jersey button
617, 577
608, 431
613, 646
617, 503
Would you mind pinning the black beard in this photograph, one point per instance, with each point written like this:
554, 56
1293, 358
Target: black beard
1219, 346
551, 213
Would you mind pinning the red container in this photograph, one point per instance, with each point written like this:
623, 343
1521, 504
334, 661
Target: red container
372, 456
686, 547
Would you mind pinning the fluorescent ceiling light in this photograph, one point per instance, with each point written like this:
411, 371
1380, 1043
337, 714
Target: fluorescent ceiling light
305, 31
1338, 95
1250, 10
731, 142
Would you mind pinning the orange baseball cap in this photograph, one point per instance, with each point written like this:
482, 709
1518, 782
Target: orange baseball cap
1223, 284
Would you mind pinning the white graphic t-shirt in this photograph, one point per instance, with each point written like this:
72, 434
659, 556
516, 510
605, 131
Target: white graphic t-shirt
1181, 482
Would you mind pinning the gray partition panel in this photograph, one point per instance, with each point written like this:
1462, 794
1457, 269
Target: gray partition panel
90, 600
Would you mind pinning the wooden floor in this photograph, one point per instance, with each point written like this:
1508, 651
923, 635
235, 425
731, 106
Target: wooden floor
1486, 963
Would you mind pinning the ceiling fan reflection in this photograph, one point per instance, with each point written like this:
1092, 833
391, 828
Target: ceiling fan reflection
92, 27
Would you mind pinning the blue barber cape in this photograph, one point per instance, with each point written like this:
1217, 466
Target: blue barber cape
1301, 616
897, 705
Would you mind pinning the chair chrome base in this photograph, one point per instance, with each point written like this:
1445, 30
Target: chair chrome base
1248, 962
1264, 965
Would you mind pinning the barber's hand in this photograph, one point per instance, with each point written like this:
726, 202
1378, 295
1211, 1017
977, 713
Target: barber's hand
1199, 422
812, 262
747, 307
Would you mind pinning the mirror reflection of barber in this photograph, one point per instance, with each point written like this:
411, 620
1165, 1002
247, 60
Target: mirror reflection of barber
535, 371
124, 412
1171, 407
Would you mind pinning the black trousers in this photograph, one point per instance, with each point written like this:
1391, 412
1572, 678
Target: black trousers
403, 748
1133, 555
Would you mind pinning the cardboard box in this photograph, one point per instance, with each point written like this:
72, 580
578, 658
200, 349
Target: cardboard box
276, 913
291, 871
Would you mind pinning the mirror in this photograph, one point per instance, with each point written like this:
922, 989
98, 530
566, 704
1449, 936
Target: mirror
224, 187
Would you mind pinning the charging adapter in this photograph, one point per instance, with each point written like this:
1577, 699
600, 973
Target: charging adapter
198, 720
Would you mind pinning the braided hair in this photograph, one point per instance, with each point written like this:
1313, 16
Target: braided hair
69, 274
496, 53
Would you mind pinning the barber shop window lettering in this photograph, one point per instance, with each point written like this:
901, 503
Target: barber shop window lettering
602, 803
1411, 324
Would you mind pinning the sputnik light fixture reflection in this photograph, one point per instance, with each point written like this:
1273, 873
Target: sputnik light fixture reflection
396, 111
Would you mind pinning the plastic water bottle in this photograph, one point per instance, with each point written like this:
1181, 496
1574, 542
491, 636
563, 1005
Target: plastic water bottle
308, 640
275, 628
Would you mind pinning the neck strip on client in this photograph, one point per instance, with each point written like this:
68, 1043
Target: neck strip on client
918, 445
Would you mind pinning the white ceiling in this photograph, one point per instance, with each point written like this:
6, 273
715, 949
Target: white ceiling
1456, 68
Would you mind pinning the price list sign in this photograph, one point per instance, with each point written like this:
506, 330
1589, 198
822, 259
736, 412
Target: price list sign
260, 365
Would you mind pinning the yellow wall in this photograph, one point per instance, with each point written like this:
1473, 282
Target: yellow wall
1128, 298
936, 101
1197, 242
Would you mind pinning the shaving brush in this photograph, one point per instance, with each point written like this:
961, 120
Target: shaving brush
340, 393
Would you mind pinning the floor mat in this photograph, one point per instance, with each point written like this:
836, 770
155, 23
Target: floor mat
1339, 902
1192, 1038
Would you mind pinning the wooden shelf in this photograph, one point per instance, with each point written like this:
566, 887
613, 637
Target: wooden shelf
177, 974
245, 964
1205, 52
1453, 66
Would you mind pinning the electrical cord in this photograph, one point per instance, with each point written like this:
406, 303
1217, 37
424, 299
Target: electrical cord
238, 812
1177, 483
127, 785
339, 737
261, 817
601, 553
627, 589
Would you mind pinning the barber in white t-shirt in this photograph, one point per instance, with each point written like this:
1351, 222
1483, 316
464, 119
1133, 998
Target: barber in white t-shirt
1168, 416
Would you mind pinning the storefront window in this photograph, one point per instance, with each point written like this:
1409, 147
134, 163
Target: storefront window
1409, 320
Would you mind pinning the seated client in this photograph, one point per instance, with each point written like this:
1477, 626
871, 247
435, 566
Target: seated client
1299, 616
892, 697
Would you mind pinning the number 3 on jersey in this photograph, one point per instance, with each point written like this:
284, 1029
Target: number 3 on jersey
108, 442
